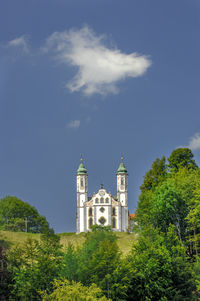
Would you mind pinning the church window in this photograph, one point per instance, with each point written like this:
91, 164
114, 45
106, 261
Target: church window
122, 181
90, 211
90, 222
113, 211
101, 200
114, 222
102, 220
82, 182
96, 200
107, 200
102, 209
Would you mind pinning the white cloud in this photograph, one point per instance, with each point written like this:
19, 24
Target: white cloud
99, 67
74, 124
194, 142
21, 42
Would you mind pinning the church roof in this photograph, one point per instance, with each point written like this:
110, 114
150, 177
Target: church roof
81, 169
122, 168
132, 215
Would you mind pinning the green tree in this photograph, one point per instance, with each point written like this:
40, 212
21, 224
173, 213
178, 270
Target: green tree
69, 265
155, 175
95, 261
153, 178
168, 207
181, 157
66, 291
103, 263
34, 266
177, 201
122, 280
171, 197
193, 217
16, 215
159, 268
5, 277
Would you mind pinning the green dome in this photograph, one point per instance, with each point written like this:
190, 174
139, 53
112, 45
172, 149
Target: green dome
81, 169
122, 168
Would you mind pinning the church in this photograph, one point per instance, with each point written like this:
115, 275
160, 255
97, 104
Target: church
102, 208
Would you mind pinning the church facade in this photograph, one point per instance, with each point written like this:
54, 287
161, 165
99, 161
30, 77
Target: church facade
102, 208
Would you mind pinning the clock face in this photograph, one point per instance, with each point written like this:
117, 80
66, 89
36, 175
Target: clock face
121, 187
102, 192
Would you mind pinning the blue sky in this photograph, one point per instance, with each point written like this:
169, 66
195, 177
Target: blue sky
100, 78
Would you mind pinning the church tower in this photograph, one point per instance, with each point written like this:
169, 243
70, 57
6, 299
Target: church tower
82, 195
122, 193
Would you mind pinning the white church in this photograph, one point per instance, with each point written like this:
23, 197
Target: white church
102, 208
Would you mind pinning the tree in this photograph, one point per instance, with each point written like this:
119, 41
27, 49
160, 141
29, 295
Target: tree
159, 268
102, 265
5, 279
69, 265
193, 217
153, 178
95, 261
168, 197
169, 207
16, 215
181, 157
34, 266
155, 175
66, 291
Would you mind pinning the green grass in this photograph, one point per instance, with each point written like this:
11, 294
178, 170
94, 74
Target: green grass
11, 239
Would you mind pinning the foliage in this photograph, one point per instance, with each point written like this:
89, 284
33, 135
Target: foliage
159, 268
34, 266
155, 175
95, 261
181, 157
193, 217
169, 207
174, 199
196, 267
16, 215
169, 222
66, 291
69, 266
153, 178
5, 278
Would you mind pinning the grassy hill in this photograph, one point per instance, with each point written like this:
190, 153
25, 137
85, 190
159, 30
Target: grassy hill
11, 239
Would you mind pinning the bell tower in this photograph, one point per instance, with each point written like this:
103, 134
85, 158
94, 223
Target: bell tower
122, 184
82, 195
122, 193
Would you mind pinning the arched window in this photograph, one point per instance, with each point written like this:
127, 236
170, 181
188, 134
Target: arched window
90, 211
113, 211
122, 181
96, 200
101, 200
114, 222
82, 182
107, 200
90, 222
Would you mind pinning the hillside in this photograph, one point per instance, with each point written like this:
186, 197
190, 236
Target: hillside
11, 239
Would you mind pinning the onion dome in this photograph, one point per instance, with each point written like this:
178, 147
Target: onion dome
122, 169
81, 169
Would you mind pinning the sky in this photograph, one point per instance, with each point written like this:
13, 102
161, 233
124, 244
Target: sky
99, 78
